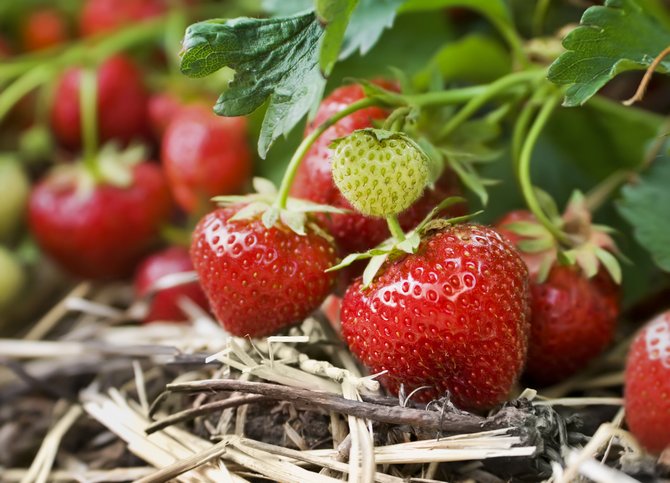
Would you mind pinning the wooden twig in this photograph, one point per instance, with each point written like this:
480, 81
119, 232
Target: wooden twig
192, 413
307, 399
641, 89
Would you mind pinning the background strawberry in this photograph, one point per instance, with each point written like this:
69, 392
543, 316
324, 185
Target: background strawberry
164, 305
354, 232
573, 317
99, 231
259, 280
99, 16
43, 28
453, 316
205, 155
122, 103
647, 384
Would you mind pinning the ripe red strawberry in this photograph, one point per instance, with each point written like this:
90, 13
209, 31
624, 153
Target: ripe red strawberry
647, 384
205, 155
122, 104
43, 28
354, 232
453, 316
573, 318
98, 16
99, 231
165, 303
260, 280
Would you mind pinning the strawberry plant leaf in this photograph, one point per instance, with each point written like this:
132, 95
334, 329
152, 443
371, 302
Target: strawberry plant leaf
646, 206
611, 39
334, 15
276, 60
368, 21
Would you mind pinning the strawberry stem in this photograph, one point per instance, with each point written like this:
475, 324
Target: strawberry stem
524, 168
88, 100
450, 96
294, 163
395, 228
602, 191
502, 85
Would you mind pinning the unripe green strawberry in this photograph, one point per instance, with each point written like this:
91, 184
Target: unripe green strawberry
379, 172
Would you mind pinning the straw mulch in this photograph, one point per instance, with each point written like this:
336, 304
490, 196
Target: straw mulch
89, 395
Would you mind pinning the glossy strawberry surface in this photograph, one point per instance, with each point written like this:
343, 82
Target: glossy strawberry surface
122, 103
164, 305
647, 384
205, 155
260, 280
573, 318
354, 232
453, 317
103, 231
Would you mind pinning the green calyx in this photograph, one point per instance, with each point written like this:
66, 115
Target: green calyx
409, 244
263, 203
379, 172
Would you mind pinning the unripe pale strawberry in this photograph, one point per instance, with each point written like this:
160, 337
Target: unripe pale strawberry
379, 172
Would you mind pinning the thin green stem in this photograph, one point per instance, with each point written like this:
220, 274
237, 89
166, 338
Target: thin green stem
502, 85
512, 38
395, 228
524, 168
451, 96
18, 89
539, 16
599, 194
306, 143
521, 128
88, 100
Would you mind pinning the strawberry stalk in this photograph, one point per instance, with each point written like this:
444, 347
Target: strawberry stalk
294, 163
502, 85
395, 228
523, 168
88, 96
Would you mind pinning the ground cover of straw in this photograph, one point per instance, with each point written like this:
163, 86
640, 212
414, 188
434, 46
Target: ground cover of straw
89, 395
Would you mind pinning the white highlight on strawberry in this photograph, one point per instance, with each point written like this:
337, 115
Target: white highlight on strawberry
657, 339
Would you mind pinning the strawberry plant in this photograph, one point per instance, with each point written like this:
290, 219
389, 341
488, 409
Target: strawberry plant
431, 224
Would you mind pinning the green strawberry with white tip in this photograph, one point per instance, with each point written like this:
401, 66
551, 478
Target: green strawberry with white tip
379, 172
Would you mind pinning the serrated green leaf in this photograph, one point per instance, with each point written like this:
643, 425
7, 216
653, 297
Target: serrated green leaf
369, 19
276, 60
334, 15
372, 268
646, 206
611, 39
